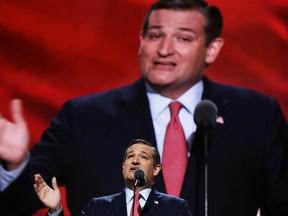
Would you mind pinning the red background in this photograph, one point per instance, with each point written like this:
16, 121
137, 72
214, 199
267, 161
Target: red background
51, 51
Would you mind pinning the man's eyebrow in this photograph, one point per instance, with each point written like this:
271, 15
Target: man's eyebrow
180, 28
143, 152
186, 29
154, 27
129, 152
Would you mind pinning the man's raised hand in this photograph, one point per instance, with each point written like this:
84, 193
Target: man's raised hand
14, 137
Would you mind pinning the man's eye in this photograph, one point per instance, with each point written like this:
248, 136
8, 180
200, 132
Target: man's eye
154, 36
185, 39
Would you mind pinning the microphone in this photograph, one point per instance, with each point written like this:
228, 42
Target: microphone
139, 181
139, 177
205, 115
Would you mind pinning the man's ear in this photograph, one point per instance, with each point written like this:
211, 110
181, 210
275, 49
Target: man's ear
141, 37
157, 169
214, 49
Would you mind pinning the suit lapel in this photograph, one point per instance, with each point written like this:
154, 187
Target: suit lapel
135, 105
214, 93
153, 203
118, 204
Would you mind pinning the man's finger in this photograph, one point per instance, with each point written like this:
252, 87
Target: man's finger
17, 111
54, 183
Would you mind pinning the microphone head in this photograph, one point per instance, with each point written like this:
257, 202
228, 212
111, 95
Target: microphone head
139, 174
205, 115
139, 177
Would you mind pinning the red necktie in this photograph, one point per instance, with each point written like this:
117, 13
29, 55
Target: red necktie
175, 156
137, 207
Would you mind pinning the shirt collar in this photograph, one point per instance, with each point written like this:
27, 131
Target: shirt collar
189, 99
144, 193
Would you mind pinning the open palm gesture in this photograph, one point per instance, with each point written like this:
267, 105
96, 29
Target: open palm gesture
48, 196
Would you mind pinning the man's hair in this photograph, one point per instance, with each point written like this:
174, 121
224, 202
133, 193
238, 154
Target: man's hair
156, 155
214, 20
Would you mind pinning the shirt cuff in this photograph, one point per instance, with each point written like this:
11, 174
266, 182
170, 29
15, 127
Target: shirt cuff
7, 177
56, 213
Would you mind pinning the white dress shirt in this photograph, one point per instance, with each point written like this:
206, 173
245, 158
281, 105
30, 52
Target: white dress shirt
129, 198
159, 107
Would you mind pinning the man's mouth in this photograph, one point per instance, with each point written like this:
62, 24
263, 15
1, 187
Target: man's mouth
166, 63
134, 168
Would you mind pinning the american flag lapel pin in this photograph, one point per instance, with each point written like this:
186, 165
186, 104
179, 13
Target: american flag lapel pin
220, 120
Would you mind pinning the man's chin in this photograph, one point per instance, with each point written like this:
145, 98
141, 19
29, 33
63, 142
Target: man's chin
159, 84
130, 183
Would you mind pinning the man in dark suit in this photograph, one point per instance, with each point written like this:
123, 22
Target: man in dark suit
139, 155
247, 157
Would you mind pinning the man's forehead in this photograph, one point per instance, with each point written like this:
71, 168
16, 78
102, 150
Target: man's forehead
184, 19
140, 147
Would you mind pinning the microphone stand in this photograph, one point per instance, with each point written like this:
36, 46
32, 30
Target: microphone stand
205, 134
205, 116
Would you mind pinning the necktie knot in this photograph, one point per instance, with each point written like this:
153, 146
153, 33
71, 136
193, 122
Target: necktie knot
137, 197
175, 108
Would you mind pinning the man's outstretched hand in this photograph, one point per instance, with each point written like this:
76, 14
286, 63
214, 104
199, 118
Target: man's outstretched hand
48, 196
14, 137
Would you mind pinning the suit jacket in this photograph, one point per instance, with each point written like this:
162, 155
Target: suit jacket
157, 204
247, 161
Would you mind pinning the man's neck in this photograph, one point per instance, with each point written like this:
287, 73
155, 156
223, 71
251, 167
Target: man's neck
172, 91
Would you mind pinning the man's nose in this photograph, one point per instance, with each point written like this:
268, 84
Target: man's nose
166, 47
135, 160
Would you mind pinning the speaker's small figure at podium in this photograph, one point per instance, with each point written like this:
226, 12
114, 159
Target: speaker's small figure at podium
141, 165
